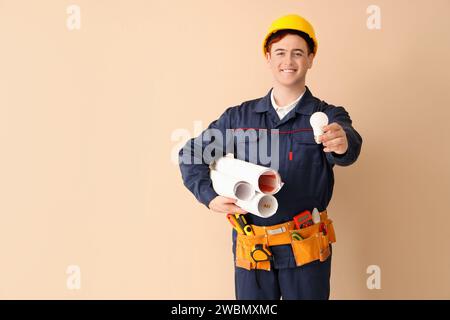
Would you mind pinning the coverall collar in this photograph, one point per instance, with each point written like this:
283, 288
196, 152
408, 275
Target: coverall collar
304, 106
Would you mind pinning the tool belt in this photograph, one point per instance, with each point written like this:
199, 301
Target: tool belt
313, 244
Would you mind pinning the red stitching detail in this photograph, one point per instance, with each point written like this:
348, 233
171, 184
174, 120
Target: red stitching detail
280, 132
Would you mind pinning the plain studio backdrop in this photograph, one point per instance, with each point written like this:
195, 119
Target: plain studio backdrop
91, 118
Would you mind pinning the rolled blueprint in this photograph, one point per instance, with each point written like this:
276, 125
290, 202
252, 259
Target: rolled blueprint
262, 205
231, 187
253, 186
263, 179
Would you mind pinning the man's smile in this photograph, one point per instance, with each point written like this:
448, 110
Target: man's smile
288, 70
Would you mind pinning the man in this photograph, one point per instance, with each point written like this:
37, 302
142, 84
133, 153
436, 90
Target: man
306, 168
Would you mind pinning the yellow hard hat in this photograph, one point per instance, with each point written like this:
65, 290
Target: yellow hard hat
294, 22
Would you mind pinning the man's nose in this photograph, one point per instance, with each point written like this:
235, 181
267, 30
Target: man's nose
288, 59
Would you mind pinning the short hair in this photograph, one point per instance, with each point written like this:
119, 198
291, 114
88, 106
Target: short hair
280, 34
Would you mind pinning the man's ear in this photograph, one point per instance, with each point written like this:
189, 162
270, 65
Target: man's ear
268, 57
311, 57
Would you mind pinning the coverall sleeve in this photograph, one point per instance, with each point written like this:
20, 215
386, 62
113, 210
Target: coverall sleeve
341, 116
198, 153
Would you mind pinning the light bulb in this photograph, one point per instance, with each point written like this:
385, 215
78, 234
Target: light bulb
317, 121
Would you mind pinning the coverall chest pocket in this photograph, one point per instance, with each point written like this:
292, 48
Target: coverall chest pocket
305, 151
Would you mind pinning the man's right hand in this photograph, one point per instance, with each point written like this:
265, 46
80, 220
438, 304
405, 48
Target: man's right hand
225, 205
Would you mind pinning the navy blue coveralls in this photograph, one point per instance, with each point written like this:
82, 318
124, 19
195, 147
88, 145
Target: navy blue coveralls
307, 173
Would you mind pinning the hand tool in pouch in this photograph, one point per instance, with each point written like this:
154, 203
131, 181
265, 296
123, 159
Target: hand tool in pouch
243, 224
232, 218
303, 220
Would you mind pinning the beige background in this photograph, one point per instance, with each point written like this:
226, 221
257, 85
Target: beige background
86, 124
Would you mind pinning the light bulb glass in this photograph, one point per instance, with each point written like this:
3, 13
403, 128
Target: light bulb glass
317, 121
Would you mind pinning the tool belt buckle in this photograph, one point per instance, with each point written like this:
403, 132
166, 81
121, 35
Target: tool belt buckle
276, 231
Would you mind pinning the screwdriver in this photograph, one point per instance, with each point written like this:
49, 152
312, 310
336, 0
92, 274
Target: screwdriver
244, 225
232, 218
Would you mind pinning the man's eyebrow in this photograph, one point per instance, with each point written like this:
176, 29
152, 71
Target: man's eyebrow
280, 49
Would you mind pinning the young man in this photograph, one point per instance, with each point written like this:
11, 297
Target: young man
306, 168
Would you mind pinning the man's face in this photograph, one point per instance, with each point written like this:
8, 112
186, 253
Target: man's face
289, 60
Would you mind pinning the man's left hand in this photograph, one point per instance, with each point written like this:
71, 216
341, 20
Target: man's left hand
334, 139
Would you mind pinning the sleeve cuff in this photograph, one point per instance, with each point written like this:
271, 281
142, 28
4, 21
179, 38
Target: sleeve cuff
345, 159
207, 195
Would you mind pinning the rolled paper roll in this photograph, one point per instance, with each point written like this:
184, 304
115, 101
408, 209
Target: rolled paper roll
264, 180
231, 187
262, 205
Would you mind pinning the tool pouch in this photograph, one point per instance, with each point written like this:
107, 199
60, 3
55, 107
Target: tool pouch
244, 247
315, 244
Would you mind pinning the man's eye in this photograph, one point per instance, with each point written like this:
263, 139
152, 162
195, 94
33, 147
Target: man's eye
280, 53
298, 54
